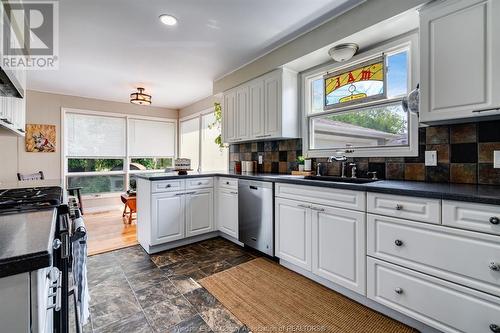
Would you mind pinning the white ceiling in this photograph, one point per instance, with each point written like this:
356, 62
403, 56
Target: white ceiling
109, 47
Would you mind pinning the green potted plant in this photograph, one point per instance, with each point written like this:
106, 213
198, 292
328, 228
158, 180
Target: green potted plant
218, 125
300, 161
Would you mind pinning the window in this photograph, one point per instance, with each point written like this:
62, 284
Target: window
197, 142
103, 152
358, 106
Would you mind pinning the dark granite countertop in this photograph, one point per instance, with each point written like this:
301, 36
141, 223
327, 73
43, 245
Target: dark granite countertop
26, 241
488, 194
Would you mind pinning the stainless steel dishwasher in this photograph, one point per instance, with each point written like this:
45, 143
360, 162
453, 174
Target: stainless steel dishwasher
256, 215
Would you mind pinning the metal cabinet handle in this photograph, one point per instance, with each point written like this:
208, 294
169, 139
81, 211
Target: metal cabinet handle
7, 121
179, 194
227, 183
233, 192
263, 136
494, 328
200, 183
21, 130
318, 209
168, 185
399, 207
398, 242
304, 206
494, 220
398, 291
485, 110
494, 266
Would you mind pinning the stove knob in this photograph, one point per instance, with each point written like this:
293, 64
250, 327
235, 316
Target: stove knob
56, 243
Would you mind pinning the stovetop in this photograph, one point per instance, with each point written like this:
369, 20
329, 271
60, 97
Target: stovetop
27, 199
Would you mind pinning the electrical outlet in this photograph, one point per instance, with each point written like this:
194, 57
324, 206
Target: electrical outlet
260, 159
431, 158
496, 159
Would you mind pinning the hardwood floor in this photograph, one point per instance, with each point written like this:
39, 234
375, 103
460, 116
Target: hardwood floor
106, 232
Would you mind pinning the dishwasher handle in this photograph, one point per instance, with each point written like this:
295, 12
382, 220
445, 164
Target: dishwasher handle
253, 187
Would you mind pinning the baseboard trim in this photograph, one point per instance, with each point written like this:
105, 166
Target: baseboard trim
423, 328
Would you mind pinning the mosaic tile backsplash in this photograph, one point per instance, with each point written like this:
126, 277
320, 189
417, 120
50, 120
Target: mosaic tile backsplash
464, 151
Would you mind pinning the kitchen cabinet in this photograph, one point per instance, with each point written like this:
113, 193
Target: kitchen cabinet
293, 232
168, 212
338, 246
227, 211
199, 212
265, 107
459, 45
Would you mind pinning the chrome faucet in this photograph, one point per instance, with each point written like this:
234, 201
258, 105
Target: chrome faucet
353, 170
318, 169
343, 169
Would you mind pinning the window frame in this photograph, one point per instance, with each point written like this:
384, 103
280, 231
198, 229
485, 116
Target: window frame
407, 41
199, 116
126, 159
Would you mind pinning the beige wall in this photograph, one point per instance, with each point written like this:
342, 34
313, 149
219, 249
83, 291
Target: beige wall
45, 108
200, 105
352, 21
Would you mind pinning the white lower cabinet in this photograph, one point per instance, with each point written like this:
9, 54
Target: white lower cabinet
293, 232
446, 306
227, 211
168, 212
338, 246
328, 241
199, 212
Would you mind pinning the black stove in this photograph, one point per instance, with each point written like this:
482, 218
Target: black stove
27, 199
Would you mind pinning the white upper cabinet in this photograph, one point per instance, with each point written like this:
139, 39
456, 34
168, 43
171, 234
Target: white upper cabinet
265, 107
460, 43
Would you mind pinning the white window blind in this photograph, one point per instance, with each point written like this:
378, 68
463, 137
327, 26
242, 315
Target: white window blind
190, 141
94, 136
213, 158
150, 138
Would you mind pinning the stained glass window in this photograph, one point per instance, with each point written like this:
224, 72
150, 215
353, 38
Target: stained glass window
354, 85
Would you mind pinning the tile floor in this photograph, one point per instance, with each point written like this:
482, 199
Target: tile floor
132, 291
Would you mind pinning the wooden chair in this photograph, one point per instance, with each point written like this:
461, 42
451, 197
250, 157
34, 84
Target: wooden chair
130, 202
32, 176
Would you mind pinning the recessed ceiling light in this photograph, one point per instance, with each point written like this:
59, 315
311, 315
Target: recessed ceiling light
168, 19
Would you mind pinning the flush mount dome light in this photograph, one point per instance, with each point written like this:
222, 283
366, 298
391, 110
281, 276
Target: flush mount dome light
140, 97
343, 52
168, 19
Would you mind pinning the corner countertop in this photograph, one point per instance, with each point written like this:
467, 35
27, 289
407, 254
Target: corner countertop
26, 241
488, 194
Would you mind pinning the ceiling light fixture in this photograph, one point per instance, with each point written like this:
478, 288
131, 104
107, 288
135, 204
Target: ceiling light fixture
168, 19
343, 52
140, 97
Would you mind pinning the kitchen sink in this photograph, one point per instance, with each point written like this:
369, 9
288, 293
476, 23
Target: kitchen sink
341, 180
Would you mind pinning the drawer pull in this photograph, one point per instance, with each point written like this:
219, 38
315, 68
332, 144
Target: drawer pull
494, 266
494, 220
200, 183
399, 207
318, 209
227, 183
398, 242
304, 206
398, 291
168, 185
494, 328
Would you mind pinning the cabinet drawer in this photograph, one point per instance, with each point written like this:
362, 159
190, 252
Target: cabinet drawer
412, 208
167, 185
230, 183
322, 195
473, 216
465, 257
435, 302
193, 183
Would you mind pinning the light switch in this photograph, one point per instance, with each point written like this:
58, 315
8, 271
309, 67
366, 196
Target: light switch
431, 158
496, 159
260, 159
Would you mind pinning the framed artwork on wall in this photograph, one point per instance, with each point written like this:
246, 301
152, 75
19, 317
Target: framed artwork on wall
40, 138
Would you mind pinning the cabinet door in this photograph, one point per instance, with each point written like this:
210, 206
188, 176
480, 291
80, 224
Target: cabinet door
339, 246
293, 232
229, 116
256, 108
242, 114
167, 217
272, 121
447, 59
199, 212
227, 211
